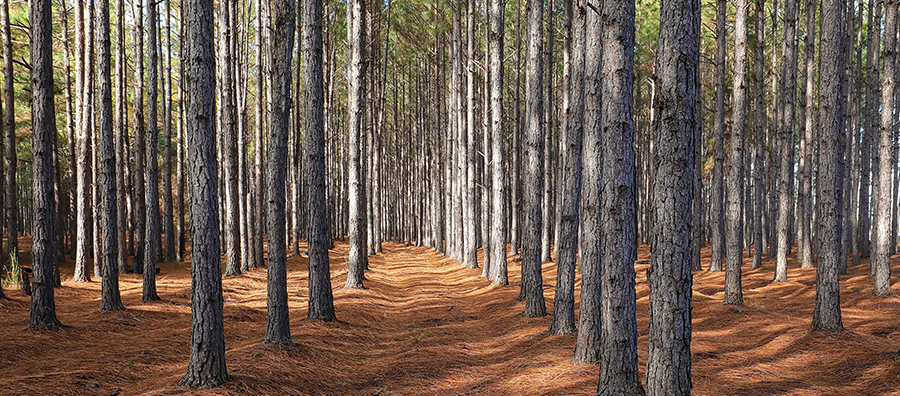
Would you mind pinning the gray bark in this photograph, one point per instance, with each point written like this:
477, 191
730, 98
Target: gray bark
168, 206
759, 136
282, 25
735, 164
206, 367
139, 205
669, 277
470, 252
786, 97
570, 173
618, 320
109, 296
84, 217
829, 183
499, 185
881, 188
152, 248
807, 144
228, 130
717, 196
9, 119
356, 77
532, 283
120, 132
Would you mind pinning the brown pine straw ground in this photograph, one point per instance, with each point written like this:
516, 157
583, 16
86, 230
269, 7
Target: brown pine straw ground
427, 326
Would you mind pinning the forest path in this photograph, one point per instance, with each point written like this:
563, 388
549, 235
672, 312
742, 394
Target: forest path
425, 325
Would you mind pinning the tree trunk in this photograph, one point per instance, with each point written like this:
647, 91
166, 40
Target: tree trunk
587, 344
786, 140
499, 185
827, 313
43, 307
881, 188
356, 76
669, 277
532, 283
228, 126
321, 302
619, 371
138, 206
278, 326
168, 219
865, 156
12, 206
206, 367
570, 173
735, 164
470, 253
151, 234
717, 196
807, 144
109, 297
120, 132
83, 153
759, 136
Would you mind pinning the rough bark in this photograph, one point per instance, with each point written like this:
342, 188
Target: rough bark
669, 277
807, 144
356, 77
829, 183
168, 206
9, 119
84, 216
43, 307
570, 173
228, 130
587, 344
321, 302
618, 320
499, 185
881, 188
759, 136
109, 296
138, 203
865, 157
735, 164
206, 367
786, 97
152, 248
717, 195
120, 132
534, 171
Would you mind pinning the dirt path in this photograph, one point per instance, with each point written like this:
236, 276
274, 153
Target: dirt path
426, 325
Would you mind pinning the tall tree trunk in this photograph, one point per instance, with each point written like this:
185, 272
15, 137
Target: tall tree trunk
206, 367
470, 252
865, 156
807, 144
618, 321
228, 130
881, 188
735, 164
547, 125
827, 313
9, 118
356, 77
717, 197
120, 132
669, 277
151, 233
180, 142
321, 302
282, 25
785, 145
570, 173
532, 283
759, 136
139, 206
109, 296
499, 185
168, 206
43, 307
83, 151
587, 344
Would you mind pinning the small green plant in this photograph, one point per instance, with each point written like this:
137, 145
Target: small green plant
13, 273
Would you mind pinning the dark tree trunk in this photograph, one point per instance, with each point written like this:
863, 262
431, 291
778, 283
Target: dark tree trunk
168, 207
207, 362
43, 307
151, 235
278, 326
618, 320
532, 283
138, 203
9, 118
570, 174
807, 144
109, 298
829, 183
84, 219
717, 196
321, 302
120, 132
669, 277
865, 158
759, 136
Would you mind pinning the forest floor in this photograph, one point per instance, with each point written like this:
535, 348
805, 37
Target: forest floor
426, 325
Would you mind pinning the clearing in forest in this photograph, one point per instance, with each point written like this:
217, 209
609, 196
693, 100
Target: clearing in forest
426, 325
